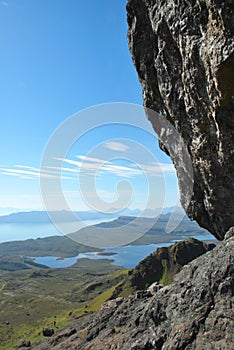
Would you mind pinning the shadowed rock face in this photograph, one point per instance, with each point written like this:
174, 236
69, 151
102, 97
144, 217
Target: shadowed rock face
183, 53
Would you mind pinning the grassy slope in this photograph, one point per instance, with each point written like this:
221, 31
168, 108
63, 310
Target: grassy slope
60, 246
31, 300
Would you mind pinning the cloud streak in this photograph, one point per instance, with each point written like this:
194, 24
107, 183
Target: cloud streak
88, 166
28, 172
116, 146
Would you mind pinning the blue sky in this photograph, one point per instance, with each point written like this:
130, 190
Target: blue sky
57, 58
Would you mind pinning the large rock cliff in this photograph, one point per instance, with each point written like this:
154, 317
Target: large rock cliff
183, 53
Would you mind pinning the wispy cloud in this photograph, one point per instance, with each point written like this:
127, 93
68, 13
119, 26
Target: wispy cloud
88, 166
92, 166
116, 146
28, 172
4, 3
91, 159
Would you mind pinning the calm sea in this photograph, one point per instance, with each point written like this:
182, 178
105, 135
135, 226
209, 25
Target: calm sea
20, 231
127, 256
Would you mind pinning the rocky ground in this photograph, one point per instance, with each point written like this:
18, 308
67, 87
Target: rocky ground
194, 312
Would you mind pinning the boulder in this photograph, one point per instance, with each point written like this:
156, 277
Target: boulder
48, 332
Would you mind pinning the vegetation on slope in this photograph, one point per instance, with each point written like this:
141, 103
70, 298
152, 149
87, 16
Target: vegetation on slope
162, 265
36, 298
60, 246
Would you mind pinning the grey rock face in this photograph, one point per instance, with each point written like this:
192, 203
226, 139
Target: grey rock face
183, 53
24, 344
165, 263
195, 312
230, 233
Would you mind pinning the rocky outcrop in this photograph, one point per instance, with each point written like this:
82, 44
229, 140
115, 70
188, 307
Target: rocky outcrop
194, 312
24, 344
162, 265
166, 262
48, 332
183, 53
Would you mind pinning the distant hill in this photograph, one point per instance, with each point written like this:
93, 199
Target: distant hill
59, 246
59, 216
141, 231
13, 255
43, 217
65, 216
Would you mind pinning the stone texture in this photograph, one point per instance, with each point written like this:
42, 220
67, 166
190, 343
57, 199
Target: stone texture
162, 265
24, 344
230, 233
183, 53
194, 312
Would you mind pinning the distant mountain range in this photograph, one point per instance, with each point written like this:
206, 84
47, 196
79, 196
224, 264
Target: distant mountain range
140, 231
65, 216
